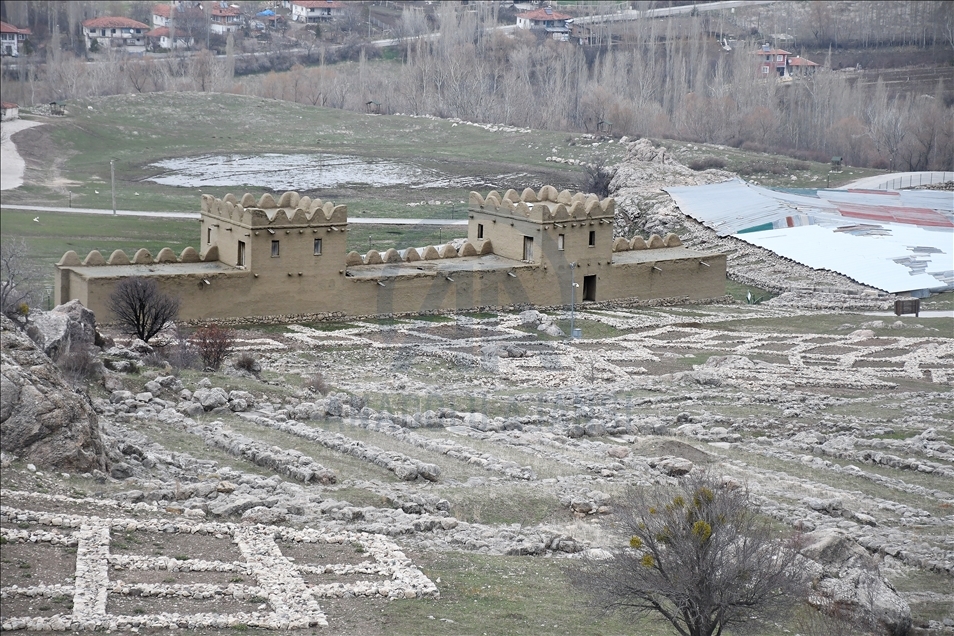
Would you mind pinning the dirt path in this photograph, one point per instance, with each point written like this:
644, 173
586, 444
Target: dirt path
12, 165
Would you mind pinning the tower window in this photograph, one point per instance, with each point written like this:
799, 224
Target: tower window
592, 238
275, 249
317, 247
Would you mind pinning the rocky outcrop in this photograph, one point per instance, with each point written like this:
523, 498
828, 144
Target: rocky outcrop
846, 576
41, 418
66, 326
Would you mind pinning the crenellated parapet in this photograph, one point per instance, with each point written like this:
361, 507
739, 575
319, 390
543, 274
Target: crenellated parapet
141, 257
639, 243
545, 206
290, 210
412, 255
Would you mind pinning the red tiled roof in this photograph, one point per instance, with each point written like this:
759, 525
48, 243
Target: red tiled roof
109, 22
226, 11
158, 32
771, 52
7, 105
542, 15
162, 10
318, 4
9, 28
800, 61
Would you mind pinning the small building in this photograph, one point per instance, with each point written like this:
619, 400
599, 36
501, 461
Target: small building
9, 111
12, 38
116, 32
161, 15
289, 257
161, 38
226, 18
772, 61
547, 20
800, 67
313, 11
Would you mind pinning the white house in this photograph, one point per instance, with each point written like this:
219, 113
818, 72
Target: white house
226, 18
312, 11
161, 37
545, 19
11, 38
116, 32
9, 111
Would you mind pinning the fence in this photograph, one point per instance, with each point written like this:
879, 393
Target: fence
914, 179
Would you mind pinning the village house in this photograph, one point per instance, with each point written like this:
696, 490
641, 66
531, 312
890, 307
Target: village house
800, 67
772, 61
782, 64
226, 18
116, 32
11, 39
161, 14
312, 11
161, 38
9, 111
546, 19
288, 257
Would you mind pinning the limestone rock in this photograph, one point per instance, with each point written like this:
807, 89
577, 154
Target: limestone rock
672, 466
41, 418
847, 575
66, 326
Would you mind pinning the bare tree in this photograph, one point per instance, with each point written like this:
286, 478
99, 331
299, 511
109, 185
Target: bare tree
214, 344
141, 308
699, 556
19, 282
597, 177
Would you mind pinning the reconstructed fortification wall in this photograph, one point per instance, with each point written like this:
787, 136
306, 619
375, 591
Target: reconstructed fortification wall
262, 257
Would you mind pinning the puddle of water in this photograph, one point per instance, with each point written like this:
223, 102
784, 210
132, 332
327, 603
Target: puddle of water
301, 172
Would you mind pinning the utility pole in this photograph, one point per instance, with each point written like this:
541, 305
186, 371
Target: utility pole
572, 295
112, 180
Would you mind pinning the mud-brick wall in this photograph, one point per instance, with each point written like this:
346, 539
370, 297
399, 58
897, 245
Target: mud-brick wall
673, 279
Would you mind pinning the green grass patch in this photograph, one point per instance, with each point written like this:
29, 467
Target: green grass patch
741, 292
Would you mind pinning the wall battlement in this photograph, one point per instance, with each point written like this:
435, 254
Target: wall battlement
141, 257
291, 210
544, 206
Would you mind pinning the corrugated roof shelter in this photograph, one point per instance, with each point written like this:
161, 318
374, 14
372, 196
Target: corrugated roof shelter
735, 206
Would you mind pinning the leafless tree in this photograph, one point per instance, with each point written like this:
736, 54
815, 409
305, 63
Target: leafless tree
699, 556
214, 344
19, 281
141, 308
597, 176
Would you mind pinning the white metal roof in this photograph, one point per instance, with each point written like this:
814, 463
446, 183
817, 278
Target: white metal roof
733, 206
898, 258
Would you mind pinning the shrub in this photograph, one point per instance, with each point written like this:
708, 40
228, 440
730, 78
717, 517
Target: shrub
213, 344
700, 556
316, 383
707, 163
80, 365
597, 177
247, 362
180, 354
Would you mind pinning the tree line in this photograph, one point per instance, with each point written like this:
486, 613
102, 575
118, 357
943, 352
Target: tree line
666, 79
